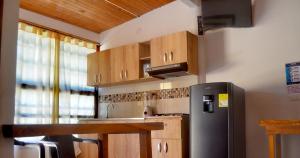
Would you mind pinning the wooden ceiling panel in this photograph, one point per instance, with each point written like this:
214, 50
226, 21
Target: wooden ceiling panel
139, 7
94, 15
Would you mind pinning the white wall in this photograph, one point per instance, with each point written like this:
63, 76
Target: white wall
252, 58
58, 25
174, 17
7, 71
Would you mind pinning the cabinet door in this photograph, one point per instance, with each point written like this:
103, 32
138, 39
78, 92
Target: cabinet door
92, 69
132, 64
104, 67
117, 64
123, 146
88, 150
172, 129
157, 52
172, 148
157, 148
176, 47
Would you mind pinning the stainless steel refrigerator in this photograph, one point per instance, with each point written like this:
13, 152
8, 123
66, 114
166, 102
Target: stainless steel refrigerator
217, 121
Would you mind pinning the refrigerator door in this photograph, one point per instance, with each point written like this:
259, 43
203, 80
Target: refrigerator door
209, 122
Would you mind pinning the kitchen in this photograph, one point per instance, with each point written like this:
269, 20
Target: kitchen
236, 55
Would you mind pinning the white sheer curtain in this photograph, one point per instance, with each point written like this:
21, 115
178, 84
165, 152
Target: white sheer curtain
35, 60
35, 77
76, 99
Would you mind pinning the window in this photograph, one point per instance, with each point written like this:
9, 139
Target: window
51, 77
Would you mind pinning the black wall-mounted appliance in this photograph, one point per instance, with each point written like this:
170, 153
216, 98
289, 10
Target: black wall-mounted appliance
224, 13
217, 121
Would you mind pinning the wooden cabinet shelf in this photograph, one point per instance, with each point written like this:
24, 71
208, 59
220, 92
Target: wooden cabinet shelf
145, 58
140, 80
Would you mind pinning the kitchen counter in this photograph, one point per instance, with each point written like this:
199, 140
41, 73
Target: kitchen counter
143, 129
130, 120
28, 130
133, 119
113, 119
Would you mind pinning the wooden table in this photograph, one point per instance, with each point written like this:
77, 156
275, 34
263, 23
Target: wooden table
276, 128
144, 130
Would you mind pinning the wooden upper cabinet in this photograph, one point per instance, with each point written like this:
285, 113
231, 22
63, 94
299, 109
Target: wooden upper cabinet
98, 66
104, 67
131, 68
175, 48
125, 63
92, 69
157, 52
117, 64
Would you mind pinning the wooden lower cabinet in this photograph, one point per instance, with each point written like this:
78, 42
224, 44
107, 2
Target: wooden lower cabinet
157, 148
172, 142
123, 146
88, 150
166, 148
172, 148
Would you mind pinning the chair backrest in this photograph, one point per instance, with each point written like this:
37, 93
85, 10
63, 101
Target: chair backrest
66, 147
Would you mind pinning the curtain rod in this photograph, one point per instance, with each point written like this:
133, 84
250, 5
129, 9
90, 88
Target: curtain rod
57, 31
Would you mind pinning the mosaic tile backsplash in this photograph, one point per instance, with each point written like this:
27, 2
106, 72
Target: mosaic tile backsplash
141, 96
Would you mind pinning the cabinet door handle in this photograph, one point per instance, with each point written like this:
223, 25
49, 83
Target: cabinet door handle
166, 147
165, 57
121, 75
100, 78
125, 73
96, 79
171, 56
159, 147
